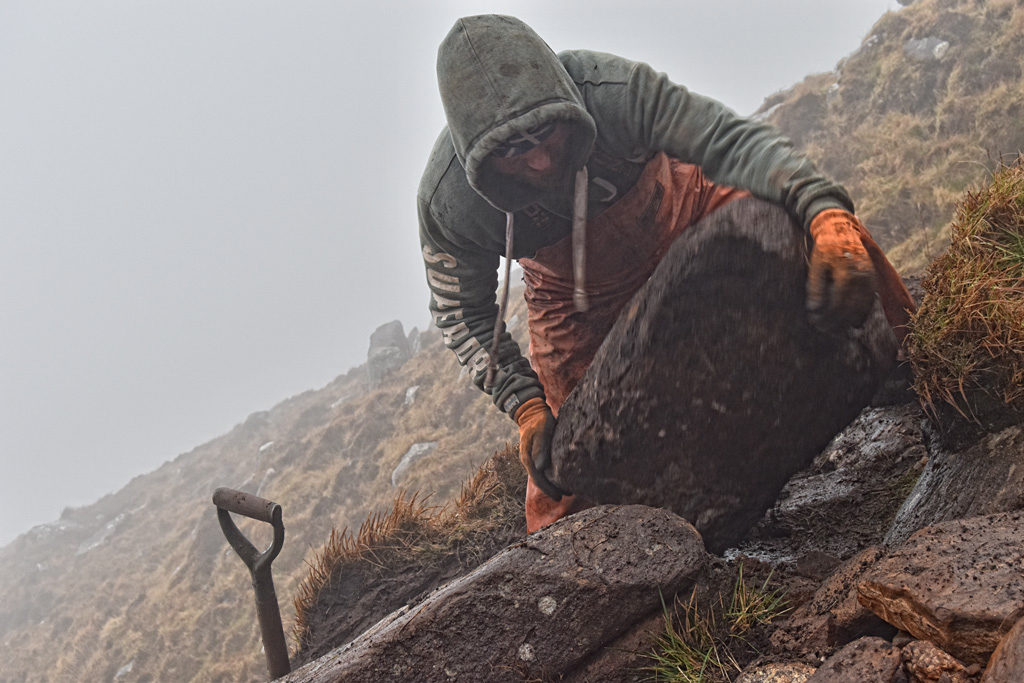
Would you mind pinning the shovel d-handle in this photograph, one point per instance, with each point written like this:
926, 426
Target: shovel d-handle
267, 612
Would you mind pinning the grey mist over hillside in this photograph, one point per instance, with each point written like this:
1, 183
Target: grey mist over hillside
207, 207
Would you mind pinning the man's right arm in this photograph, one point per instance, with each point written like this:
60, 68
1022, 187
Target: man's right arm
463, 279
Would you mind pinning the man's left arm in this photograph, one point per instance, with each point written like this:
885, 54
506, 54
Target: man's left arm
659, 115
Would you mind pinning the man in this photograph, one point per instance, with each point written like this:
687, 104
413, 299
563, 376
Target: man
585, 166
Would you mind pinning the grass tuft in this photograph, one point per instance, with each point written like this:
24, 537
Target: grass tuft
752, 605
490, 503
700, 644
967, 338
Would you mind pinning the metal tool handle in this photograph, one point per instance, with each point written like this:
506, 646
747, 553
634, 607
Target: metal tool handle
267, 611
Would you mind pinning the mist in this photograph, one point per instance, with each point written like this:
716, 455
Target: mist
208, 207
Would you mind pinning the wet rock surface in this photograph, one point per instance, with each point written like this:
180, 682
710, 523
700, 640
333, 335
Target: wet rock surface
763, 390
959, 584
846, 499
865, 659
984, 478
537, 610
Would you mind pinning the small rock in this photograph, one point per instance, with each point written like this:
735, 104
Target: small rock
928, 664
865, 659
788, 672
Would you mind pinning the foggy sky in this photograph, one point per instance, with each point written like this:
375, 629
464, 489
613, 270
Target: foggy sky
207, 206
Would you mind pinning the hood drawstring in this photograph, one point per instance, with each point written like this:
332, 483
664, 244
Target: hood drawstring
579, 239
499, 323
579, 269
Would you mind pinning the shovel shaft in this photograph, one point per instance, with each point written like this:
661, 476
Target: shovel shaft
271, 630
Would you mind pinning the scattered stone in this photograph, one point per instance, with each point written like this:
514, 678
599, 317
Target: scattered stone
788, 672
816, 565
1007, 662
603, 568
958, 584
928, 664
929, 49
389, 349
834, 616
415, 452
983, 479
711, 420
865, 659
410, 395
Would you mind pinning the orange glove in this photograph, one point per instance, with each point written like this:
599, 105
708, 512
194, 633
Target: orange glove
536, 426
840, 277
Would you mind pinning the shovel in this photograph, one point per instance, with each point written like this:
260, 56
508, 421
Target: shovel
267, 612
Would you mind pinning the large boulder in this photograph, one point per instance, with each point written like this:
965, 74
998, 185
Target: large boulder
537, 611
713, 388
959, 584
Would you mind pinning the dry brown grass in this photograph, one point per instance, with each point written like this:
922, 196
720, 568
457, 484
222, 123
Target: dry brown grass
491, 501
967, 339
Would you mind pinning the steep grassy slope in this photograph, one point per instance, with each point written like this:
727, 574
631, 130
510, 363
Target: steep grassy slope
142, 586
927, 106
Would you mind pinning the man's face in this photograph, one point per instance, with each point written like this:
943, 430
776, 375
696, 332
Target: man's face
540, 162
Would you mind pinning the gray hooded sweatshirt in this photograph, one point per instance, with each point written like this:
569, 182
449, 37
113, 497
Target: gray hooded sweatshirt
497, 77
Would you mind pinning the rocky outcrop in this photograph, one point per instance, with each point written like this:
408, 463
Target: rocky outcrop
711, 419
984, 478
537, 610
845, 501
959, 584
926, 49
415, 452
389, 349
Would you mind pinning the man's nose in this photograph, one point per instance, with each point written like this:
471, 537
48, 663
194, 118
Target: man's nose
538, 159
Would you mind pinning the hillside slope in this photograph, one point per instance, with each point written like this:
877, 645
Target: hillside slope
142, 586
925, 108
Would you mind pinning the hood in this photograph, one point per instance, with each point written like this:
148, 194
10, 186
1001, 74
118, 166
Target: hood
497, 78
